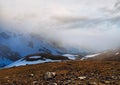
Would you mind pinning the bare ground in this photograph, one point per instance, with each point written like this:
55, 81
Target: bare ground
67, 73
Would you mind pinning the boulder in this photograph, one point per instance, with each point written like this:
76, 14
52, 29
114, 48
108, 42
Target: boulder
49, 75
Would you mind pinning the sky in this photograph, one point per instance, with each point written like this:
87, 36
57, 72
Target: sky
90, 24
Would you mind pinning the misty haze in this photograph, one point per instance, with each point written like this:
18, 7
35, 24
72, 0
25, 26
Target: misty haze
37, 32
83, 23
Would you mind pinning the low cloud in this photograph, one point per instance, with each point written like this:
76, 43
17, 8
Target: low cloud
76, 23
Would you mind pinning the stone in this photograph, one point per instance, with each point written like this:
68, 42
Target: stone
31, 75
67, 82
82, 77
114, 77
107, 82
93, 83
8, 80
49, 75
100, 83
54, 84
35, 82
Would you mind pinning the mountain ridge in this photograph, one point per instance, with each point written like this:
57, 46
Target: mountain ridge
14, 45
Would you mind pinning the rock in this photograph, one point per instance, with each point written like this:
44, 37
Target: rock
31, 75
49, 75
80, 83
100, 83
93, 83
104, 82
67, 82
54, 84
107, 82
82, 77
114, 77
8, 80
35, 82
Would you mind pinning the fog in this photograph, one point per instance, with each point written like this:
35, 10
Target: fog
89, 24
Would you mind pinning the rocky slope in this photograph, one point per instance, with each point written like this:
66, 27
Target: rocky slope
111, 55
63, 73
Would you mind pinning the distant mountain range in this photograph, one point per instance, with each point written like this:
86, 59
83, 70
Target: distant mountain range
111, 55
14, 46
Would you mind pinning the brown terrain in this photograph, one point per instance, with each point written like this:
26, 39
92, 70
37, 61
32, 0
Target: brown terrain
112, 55
63, 73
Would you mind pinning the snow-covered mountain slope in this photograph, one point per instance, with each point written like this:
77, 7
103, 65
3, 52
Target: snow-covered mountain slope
4, 61
23, 62
25, 44
41, 58
14, 46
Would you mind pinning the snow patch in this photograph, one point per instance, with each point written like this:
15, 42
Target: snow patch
23, 62
70, 56
90, 56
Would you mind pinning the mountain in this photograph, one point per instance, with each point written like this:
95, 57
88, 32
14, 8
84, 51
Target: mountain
111, 55
41, 58
14, 46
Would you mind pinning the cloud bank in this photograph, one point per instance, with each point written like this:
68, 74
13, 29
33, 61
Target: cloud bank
89, 24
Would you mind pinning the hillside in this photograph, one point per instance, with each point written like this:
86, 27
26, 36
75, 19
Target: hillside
65, 73
14, 46
111, 55
40, 58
